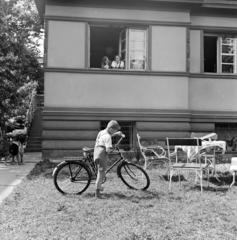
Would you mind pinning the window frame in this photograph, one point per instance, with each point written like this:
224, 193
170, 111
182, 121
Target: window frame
220, 53
145, 48
126, 29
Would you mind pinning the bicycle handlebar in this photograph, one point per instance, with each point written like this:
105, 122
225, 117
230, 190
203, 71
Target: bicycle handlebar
120, 139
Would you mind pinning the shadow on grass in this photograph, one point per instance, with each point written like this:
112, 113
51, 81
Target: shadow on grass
221, 180
175, 178
211, 188
136, 197
43, 168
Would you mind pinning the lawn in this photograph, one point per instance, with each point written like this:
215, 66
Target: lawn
37, 211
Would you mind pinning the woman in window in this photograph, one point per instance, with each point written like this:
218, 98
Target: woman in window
105, 63
116, 64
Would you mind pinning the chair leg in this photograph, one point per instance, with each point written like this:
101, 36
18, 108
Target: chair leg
179, 180
170, 178
201, 182
233, 182
168, 173
196, 177
208, 177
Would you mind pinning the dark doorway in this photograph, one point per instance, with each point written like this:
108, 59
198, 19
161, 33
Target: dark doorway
210, 54
228, 133
104, 41
127, 129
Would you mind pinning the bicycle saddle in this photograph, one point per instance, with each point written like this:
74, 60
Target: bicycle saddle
88, 150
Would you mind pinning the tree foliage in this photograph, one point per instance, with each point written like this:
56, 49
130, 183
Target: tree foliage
20, 28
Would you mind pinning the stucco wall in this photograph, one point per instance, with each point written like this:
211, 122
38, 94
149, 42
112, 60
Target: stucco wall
115, 91
66, 44
120, 13
67, 48
195, 51
214, 21
213, 94
168, 46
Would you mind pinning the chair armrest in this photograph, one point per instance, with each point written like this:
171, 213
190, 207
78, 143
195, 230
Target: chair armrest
153, 150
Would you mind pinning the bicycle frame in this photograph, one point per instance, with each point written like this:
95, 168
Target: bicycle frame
121, 159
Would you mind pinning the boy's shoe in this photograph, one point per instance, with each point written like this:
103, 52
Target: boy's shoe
98, 194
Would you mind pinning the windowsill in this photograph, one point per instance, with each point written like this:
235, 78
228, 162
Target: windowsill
214, 75
115, 71
139, 72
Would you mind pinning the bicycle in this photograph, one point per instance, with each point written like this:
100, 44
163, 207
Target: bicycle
74, 176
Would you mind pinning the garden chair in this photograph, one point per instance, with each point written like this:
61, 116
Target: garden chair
191, 162
233, 169
152, 154
204, 136
212, 149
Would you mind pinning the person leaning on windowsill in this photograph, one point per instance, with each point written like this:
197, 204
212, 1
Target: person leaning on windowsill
105, 63
117, 63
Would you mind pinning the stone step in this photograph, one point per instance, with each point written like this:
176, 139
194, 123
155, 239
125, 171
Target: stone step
40, 100
34, 144
34, 139
33, 150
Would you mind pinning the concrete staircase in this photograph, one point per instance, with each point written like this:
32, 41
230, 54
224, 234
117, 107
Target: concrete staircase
34, 141
34, 144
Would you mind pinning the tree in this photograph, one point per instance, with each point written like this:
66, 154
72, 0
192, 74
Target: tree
20, 28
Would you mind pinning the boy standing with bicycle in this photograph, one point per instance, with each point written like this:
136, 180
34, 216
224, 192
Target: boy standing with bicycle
103, 146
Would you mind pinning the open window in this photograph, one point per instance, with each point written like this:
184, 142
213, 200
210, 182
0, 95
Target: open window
104, 41
127, 42
210, 54
220, 54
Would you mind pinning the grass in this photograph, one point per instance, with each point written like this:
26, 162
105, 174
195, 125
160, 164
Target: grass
37, 211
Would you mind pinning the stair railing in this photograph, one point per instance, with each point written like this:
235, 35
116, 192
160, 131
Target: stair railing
31, 110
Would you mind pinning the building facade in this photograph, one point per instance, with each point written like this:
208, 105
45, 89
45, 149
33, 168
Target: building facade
180, 73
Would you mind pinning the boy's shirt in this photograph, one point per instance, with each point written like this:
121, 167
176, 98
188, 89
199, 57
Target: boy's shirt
104, 139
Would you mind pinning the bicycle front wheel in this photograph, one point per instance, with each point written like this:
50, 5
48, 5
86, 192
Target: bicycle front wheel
133, 176
72, 177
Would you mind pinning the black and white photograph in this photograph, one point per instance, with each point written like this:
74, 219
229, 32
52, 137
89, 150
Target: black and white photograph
118, 120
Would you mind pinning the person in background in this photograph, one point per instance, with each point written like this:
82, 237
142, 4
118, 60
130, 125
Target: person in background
117, 63
105, 63
18, 142
103, 146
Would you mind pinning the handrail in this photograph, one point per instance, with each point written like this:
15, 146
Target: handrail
31, 110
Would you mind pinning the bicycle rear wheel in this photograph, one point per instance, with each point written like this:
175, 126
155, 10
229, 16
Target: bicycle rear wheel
133, 176
72, 177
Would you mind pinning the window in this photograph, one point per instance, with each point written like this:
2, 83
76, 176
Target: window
129, 43
220, 54
228, 54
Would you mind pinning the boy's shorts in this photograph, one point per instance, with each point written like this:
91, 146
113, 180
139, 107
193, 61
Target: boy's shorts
102, 163
100, 157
